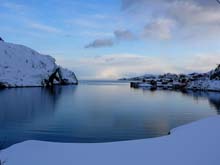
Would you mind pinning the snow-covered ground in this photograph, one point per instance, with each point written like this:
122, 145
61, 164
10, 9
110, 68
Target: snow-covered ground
193, 144
208, 85
21, 66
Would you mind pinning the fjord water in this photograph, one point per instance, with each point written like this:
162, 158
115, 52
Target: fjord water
98, 112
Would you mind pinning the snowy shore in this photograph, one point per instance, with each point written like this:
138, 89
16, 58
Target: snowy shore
21, 66
192, 144
209, 81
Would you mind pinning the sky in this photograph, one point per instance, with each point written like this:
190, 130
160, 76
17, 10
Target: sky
111, 39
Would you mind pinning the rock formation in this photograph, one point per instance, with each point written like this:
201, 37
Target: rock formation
21, 66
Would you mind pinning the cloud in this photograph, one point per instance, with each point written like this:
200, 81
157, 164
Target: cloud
124, 35
44, 28
91, 21
194, 13
201, 62
193, 18
163, 20
119, 35
100, 43
126, 4
85, 23
13, 6
96, 34
161, 29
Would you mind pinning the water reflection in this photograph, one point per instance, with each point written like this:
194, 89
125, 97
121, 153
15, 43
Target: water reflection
97, 112
212, 97
19, 105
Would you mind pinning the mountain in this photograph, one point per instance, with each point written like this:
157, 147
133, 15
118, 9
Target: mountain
21, 66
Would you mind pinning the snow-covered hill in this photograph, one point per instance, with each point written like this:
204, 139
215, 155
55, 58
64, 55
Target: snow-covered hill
21, 66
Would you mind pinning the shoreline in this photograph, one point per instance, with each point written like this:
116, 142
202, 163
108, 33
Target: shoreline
187, 144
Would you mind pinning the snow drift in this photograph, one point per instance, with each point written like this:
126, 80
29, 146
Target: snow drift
21, 66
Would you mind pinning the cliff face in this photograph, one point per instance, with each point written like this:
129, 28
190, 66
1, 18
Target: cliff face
21, 66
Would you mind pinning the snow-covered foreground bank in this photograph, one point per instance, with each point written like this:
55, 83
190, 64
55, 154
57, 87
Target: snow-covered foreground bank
21, 66
194, 144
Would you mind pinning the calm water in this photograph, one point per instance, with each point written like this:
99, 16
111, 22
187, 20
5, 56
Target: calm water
97, 112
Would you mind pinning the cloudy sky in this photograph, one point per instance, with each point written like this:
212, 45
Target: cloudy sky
108, 39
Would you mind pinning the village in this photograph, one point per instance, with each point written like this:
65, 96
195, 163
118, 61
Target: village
209, 81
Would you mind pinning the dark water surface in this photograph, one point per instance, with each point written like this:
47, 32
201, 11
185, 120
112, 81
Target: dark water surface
97, 112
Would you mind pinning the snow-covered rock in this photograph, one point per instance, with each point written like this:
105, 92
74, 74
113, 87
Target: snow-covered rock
145, 85
67, 76
206, 85
21, 66
193, 144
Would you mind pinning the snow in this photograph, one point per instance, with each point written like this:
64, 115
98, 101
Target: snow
21, 66
145, 85
207, 85
192, 144
68, 76
209, 81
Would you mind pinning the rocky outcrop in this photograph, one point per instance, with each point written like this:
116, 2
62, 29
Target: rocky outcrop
21, 66
67, 76
1, 40
61, 76
215, 74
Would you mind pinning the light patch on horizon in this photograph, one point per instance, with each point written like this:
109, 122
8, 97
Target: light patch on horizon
131, 65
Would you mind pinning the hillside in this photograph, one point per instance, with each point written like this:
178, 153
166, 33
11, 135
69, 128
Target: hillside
21, 66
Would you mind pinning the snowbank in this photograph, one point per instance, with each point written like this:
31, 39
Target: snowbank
21, 66
196, 143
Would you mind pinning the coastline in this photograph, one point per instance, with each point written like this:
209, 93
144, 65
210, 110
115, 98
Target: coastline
194, 143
